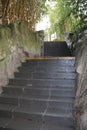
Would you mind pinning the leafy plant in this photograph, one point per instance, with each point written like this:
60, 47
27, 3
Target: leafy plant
68, 15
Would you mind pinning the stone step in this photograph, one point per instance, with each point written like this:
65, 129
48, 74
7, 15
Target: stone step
56, 49
35, 107
43, 104
45, 82
9, 99
25, 124
60, 93
45, 69
53, 62
13, 90
20, 88
39, 91
43, 75
56, 117
53, 98
56, 127
1, 128
16, 99
6, 110
55, 70
28, 69
54, 76
40, 87
62, 63
4, 122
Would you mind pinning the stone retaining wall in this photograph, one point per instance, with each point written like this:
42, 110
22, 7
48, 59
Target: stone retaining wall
81, 94
10, 65
16, 43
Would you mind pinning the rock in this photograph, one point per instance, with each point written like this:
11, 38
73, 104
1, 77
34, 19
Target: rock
83, 118
81, 94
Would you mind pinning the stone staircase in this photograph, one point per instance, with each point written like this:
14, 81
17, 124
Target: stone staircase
56, 48
40, 97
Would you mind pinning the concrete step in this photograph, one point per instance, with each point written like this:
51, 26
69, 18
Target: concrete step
54, 75
56, 49
13, 90
1, 128
6, 110
8, 104
16, 99
50, 62
59, 61
25, 124
39, 91
40, 87
9, 99
59, 117
43, 75
23, 69
4, 122
34, 107
62, 104
45, 82
40, 110
56, 127
47, 70
52, 98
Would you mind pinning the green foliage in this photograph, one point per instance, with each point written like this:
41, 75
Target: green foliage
68, 15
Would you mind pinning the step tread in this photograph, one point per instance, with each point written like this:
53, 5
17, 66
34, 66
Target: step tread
19, 92
15, 99
7, 107
47, 68
38, 88
46, 82
61, 62
59, 93
43, 112
24, 124
6, 110
9, 99
44, 98
43, 75
52, 105
4, 121
54, 76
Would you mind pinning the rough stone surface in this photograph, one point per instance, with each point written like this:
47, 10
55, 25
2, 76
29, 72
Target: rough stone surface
9, 66
16, 43
81, 94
